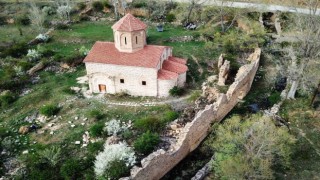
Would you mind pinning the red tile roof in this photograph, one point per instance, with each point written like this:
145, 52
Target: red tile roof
166, 75
174, 67
107, 53
129, 23
178, 60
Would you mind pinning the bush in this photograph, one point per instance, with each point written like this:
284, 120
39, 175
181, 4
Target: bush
176, 91
6, 98
23, 20
97, 6
3, 20
96, 114
147, 142
170, 116
170, 17
149, 124
17, 50
81, 5
96, 130
25, 65
107, 4
95, 147
62, 26
117, 169
49, 110
72, 168
139, 4
114, 127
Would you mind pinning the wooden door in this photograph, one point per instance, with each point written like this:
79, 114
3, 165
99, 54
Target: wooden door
102, 88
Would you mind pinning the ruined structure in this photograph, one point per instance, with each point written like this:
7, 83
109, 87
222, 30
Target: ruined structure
224, 66
192, 133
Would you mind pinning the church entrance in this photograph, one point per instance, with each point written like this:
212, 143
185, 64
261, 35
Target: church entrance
102, 88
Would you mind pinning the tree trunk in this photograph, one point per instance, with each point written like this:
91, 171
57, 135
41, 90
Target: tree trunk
293, 89
189, 13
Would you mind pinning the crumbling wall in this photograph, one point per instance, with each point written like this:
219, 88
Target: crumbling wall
157, 164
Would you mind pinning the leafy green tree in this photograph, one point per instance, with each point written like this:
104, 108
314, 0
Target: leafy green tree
248, 149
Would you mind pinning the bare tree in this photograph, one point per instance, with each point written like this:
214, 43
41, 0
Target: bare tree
307, 50
37, 16
192, 5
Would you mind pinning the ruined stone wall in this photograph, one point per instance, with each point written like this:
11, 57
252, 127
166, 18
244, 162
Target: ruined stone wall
160, 162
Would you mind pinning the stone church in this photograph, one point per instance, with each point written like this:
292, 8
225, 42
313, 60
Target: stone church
130, 65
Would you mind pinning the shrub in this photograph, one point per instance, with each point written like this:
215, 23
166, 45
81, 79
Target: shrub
170, 17
114, 127
6, 98
51, 155
72, 168
117, 169
96, 130
176, 91
152, 124
25, 65
113, 152
62, 26
81, 5
96, 114
3, 20
17, 50
170, 116
107, 4
274, 97
3, 132
48, 10
49, 110
97, 6
84, 51
95, 147
23, 20
33, 55
147, 142
139, 4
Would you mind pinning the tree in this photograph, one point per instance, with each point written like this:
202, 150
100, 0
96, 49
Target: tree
192, 5
64, 8
37, 16
248, 148
306, 51
228, 16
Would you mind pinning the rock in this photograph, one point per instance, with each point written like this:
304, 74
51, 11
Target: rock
36, 68
50, 124
64, 66
173, 127
51, 132
77, 142
42, 118
76, 118
223, 73
72, 125
23, 129
212, 79
25, 152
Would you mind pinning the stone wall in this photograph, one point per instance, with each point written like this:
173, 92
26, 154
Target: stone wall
157, 164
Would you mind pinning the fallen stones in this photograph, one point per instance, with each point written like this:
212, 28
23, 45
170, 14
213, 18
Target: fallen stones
223, 72
36, 68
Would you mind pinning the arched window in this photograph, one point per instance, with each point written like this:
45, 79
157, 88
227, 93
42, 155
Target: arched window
136, 39
125, 40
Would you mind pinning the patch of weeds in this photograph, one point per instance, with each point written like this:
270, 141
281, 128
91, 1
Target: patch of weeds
94, 148
49, 110
194, 96
97, 130
170, 116
152, 124
274, 97
176, 91
96, 114
147, 142
117, 169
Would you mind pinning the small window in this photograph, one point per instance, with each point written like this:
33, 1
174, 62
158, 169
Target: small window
144, 83
136, 39
125, 40
121, 80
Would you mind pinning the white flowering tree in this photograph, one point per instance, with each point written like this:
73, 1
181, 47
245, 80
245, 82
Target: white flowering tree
112, 153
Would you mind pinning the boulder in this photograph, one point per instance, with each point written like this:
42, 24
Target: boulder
23, 129
36, 68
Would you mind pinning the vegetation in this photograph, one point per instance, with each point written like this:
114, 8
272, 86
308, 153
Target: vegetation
176, 91
147, 142
49, 110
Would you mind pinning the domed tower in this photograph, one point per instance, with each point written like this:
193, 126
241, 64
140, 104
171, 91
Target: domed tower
129, 34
